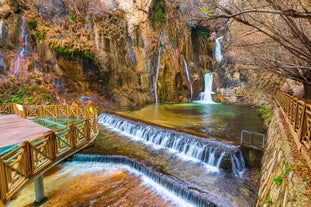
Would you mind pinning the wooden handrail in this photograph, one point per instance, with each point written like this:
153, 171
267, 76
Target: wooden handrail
298, 115
34, 157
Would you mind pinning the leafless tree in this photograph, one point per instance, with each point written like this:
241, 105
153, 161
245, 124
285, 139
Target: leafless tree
286, 26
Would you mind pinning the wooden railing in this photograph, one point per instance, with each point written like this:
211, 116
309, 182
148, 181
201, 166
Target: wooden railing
34, 157
298, 116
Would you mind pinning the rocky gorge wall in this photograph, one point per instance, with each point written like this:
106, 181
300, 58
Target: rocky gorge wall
125, 53
119, 51
281, 184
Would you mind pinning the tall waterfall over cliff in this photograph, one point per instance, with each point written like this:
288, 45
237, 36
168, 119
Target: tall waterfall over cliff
218, 54
188, 76
20, 62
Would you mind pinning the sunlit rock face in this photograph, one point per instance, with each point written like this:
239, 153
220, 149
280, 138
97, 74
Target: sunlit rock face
129, 42
125, 52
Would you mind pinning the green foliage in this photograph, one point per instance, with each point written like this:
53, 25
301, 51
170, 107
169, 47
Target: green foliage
68, 54
100, 81
205, 10
39, 36
278, 180
265, 113
156, 4
73, 18
88, 55
268, 201
286, 170
279, 204
16, 99
202, 32
2, 101
159, 16
32, 25
39, 82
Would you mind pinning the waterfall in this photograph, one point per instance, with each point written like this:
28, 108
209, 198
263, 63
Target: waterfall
177, 187
188, 76
213, 154
20, 62
206, 96
218, 54
158, 69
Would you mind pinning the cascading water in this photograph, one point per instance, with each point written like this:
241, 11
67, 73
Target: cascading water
158, 69
206, 96
20, 62
188, 76
218, 54
213, 154
175, 186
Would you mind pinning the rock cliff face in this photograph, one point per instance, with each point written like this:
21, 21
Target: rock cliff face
126, 52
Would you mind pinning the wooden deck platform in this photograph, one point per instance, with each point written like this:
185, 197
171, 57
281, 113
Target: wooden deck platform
14, 130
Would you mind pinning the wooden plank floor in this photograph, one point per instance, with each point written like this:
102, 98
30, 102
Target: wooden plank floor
14, 130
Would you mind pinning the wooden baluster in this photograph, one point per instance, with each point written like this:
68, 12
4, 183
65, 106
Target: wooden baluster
302, 122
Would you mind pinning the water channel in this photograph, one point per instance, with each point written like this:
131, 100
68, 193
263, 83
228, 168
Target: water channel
172, 168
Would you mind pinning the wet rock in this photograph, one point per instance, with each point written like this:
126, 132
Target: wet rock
52, 10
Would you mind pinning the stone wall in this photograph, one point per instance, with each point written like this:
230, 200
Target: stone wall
280, 184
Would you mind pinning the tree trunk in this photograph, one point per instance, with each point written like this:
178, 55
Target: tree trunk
307, 88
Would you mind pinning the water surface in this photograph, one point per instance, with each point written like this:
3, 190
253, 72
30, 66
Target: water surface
218, 120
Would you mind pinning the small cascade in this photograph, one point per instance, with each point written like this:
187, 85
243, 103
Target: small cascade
188, 76
185, 191
20, 62
158, 69
213, 155
206, 96
218, 54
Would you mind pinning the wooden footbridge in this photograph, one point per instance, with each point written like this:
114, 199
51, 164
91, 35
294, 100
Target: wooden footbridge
36, 149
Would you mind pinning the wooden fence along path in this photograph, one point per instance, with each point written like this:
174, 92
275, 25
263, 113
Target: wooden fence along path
298, 115
32, 158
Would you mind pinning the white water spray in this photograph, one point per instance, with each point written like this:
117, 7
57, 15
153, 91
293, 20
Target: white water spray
206, 96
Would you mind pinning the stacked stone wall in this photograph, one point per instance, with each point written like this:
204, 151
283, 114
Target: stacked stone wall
280, 184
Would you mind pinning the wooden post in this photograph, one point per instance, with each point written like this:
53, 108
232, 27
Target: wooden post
56, 111
85, 112
52, 145
27, 162
4, 183
41, 111
39, 191
67, 111
72, 135
87, 129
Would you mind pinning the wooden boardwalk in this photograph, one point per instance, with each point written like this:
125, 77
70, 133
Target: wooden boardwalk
40, 148
14, 130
